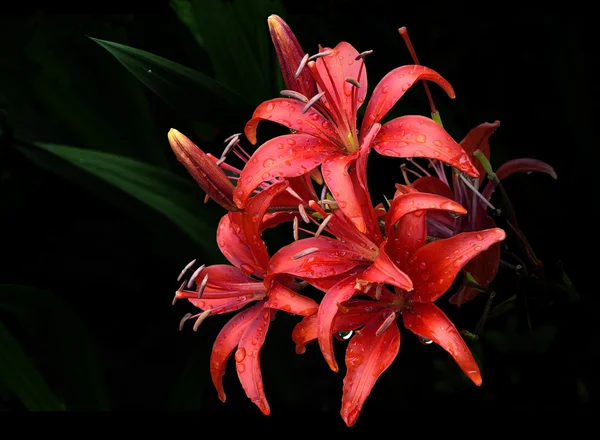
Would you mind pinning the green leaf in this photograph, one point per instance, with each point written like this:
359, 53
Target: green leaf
161, 190
183, 9
18, 374
195, 94
63, 342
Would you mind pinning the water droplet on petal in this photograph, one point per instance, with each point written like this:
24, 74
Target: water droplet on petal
424, 341
240, 354
240, 367
420, 138
270, 107
344, 335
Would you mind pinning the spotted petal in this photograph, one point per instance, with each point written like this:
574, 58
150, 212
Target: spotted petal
368, 355
288, 112
418, 136
428, 321
393, 86
284, 156
434, 267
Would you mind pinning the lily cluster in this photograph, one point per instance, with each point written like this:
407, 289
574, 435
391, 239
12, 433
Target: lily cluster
370, 266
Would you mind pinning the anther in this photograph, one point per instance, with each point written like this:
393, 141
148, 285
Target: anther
354, 82
323, 225
384, 326
303, 213
201, 319
294, 95
295, 228
190, 264
342, 308
202, 286
231, 137
320, 54
305, 252
361, 55
301, 66
310, 103
378, 291
183, 320
194, 276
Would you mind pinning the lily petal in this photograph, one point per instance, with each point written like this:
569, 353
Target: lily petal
367, 357
428, 321
433, 185
483, 269
335, 172
478, 139
328, 309
434, 267
410, 235
288, 112
226, 341
247, 358
284, 156
332, 257
418, 201
384, 271
511, 167
282, 298
357, 313
232, 244
341, 64
393, 86
418, 136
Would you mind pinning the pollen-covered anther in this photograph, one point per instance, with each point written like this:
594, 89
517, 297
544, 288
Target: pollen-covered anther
185, 269
305, 252
201, 319
320, 54
303, 213
360, 285
361, 55
312, 101
378, 291
183, 320
354, 82
232, 142
323, 225
195, 275
384, 326
202, 286
294, 95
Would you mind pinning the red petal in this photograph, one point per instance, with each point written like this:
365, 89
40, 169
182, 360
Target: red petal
231, 242
367, 357
339, 66
518, 166
478, 139
288, 112
410, 235
226, 341
434, 267
418, 201
359, 311
428, 321
226, 305
328, 309
417, 136
335, 173
391, 88
247, 358
384, 271
251, 226
281, 298
284, 156
433, 185
332, 258
290, 53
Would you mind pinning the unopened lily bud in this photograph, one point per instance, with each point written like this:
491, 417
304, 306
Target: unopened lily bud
291, 55
203, 169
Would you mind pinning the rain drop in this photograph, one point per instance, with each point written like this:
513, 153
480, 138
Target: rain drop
240, 354
424, 341
344, 335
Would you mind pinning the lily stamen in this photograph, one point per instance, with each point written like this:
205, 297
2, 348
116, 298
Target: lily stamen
201, 319
323, 225
362, 55
354, 82
185, 269
378, 291
423, 170
477, 193
303, 213
202, 286
312, 101
183, 320
195, 275
294, 95
301, 66
231, 137
295, 228
305, 252
384, 326
320, 54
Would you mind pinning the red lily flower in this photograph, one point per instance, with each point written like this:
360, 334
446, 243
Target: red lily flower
465, 191
226, 288
432, 267
325, 129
